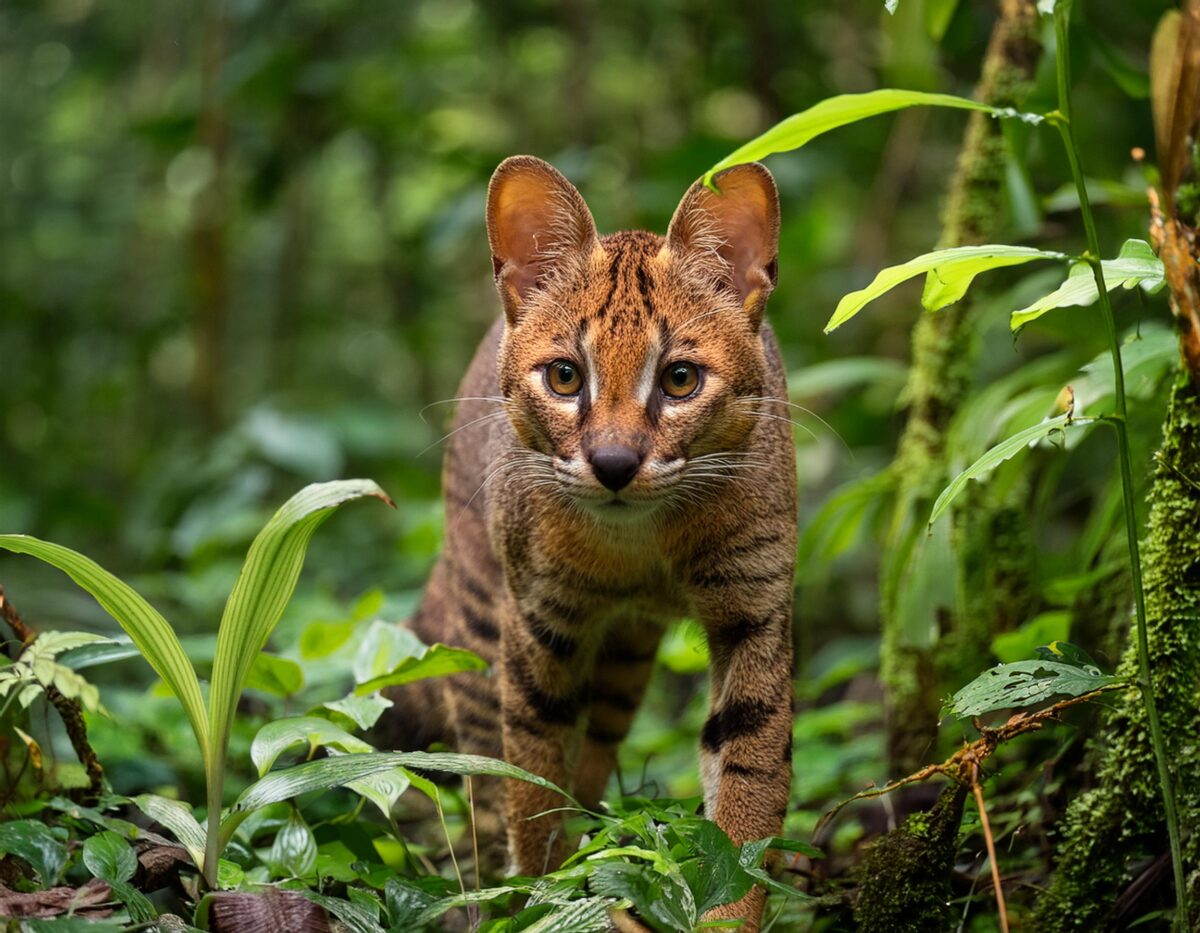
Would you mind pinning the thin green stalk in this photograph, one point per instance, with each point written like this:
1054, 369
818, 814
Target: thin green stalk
1062, 119
213, 843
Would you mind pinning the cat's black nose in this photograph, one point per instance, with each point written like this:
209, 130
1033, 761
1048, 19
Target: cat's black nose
615, 466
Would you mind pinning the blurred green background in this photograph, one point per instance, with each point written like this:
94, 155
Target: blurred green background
243, 249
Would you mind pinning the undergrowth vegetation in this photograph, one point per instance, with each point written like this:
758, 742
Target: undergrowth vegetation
987, 652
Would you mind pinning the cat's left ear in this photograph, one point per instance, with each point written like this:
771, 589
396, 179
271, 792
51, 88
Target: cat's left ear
731, 238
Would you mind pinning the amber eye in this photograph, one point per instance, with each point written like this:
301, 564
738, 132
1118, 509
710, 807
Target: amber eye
679, 380
562, 376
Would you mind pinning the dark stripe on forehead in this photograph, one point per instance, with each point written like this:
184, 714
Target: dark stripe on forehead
644, 285
614, 274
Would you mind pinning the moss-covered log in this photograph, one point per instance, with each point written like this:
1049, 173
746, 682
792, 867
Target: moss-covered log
1110, 830
904, 882
939, 378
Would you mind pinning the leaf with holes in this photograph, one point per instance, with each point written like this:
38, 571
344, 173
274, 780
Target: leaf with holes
1025, 684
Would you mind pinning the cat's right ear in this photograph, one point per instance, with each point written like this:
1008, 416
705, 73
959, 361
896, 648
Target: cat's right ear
537, 223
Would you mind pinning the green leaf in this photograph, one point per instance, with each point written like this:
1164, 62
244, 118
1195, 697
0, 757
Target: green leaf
383, 788
384, 647
833, 376
263, 588
34, 843
1066, 653
275, 675
276, 737
340, 771
1022, 642
136, 903
364, 712
102, 652
1023, 684
715, 875
177, 817
1005, 450
1135, 264
586, 915
109, 857
436, 661
152, 634
356, 918
294, 852
321, 639
948, 272
835, 112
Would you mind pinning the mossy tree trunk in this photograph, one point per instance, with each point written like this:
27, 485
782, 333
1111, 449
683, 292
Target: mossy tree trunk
918, 629
1110, 830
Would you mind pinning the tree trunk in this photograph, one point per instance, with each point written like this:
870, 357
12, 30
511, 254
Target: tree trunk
1109, 831
939, 379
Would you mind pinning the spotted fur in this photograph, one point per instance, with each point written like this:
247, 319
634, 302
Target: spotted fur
564, 585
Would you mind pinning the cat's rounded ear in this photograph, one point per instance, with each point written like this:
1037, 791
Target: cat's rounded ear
538, 225
731, 239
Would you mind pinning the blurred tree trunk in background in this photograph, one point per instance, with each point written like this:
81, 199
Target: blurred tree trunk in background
922, 615
1103, 878
209, 261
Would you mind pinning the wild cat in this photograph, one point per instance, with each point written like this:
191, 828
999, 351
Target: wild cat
620, 458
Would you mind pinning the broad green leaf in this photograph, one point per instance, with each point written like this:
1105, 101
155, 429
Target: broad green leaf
1005, 450
263, 588
152, 634
948, 272
1024, 684
52, 644
364, 712
434, 661
384, 647
275, 675
586, 915
714, 874
1135, 264
294, 852
177, 817
844, 109
339, 771
34, 843
321, 639
1147, 356
109, 857
276, 737
383, 788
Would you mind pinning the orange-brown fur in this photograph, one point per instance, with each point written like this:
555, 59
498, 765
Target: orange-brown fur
563, 585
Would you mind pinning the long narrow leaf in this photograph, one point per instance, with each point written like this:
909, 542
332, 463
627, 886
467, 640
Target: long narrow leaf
949, 274
1005, 450
834, 112
263, 588
150, 632
177, 817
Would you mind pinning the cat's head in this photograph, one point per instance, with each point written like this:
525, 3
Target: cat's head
633, 362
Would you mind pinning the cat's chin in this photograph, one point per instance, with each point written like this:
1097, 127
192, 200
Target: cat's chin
620, 512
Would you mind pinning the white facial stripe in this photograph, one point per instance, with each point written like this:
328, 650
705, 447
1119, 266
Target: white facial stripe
593, 376
649, 370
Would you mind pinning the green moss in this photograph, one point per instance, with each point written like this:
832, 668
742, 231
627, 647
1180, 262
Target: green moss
904, 881
1108, 829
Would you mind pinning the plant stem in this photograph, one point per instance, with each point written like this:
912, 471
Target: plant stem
212, 842
1062, 120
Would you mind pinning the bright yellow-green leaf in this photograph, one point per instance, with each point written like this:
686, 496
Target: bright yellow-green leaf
949, 273
834, 112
